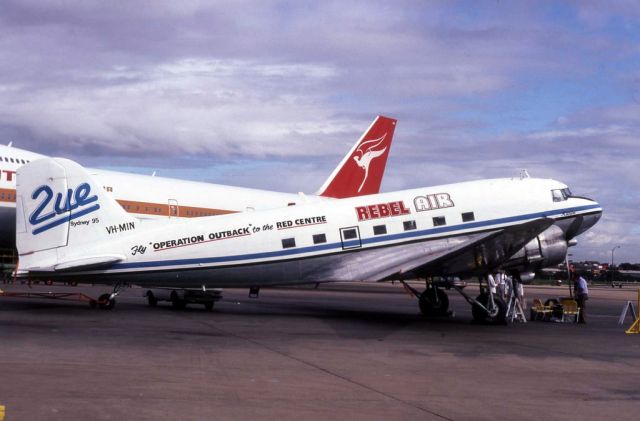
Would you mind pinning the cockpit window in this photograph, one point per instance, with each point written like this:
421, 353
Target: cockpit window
560, 195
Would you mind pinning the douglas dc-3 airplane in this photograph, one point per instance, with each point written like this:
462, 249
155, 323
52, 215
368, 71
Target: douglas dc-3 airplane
68, 228
359, 173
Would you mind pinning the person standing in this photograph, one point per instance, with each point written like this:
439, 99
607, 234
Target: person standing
582, 295
491, 281
500, 284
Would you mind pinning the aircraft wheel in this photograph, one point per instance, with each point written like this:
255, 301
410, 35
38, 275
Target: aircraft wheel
105, 302
497, 315
434, 302
151, 299
208, 305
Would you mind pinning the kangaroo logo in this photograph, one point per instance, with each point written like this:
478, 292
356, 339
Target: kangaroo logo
62, 206
367, 154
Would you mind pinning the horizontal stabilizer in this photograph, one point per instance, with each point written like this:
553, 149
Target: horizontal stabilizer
91, 262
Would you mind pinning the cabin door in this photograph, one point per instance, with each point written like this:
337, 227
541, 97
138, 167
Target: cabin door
174, 212
350, 237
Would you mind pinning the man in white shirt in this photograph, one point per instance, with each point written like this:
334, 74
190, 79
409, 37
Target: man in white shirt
582, 295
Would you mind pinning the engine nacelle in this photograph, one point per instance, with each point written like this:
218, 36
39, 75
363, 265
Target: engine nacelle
547, 249
527, 277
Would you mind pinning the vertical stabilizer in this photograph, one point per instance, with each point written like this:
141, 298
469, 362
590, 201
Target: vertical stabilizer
360, 171
61, 212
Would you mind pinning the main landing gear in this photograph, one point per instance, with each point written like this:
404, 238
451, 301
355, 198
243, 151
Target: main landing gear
489, 308
434, 302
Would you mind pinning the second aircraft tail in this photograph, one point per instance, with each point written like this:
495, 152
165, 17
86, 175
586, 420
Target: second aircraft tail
360, 171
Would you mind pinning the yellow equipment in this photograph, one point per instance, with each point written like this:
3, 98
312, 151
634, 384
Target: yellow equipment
635, 327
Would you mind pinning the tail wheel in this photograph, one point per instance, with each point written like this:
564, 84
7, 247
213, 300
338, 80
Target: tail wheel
105, 302
497, 313
434, 302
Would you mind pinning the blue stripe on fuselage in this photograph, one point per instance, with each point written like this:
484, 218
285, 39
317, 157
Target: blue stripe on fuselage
373, 240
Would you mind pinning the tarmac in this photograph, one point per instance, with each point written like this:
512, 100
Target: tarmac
341, 352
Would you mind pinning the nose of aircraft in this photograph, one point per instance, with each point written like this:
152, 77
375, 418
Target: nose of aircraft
583, 222
590, 220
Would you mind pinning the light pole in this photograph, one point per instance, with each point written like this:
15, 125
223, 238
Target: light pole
612, 250
611, 267
567, 264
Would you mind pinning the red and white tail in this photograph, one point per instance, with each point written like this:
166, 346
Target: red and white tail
360, 171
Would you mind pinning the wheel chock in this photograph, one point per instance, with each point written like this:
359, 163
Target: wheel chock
1, 412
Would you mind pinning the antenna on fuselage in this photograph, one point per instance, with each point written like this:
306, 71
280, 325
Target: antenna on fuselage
524, 174
10, 144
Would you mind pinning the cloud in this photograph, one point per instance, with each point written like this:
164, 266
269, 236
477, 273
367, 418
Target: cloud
117, 79
190, 106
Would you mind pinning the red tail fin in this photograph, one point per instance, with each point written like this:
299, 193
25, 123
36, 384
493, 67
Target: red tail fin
361, 170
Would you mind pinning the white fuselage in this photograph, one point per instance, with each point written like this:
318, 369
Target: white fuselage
345, 240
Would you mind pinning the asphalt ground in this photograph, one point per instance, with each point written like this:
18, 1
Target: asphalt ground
342, 352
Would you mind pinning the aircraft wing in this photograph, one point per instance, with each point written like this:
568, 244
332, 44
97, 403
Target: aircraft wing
485, 253
462, 255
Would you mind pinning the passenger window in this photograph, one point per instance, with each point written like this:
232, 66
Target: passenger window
349, 234
439, 221
468, 217
409, 225
288, 243
319, 239
379, 229
11, 160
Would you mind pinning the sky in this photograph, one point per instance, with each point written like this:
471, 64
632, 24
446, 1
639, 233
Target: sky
272, 94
